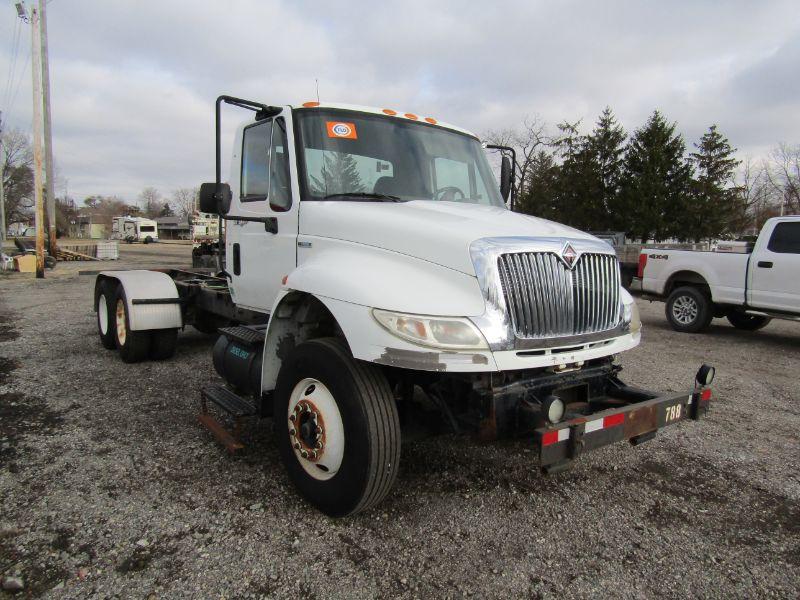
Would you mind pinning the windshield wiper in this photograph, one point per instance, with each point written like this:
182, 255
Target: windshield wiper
364, 197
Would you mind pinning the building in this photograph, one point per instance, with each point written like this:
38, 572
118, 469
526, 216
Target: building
173, 228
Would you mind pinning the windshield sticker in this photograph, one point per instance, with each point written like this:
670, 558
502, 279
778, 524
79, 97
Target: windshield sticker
338, 129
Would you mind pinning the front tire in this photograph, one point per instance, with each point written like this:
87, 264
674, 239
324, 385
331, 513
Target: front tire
336, 427
689, 310
133, 346
747, 322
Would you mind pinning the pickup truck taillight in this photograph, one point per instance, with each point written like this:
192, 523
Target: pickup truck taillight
642, 264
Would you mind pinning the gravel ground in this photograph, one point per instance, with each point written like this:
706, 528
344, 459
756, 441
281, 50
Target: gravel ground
110, 488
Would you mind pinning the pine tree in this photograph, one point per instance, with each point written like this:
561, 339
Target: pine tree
716, 204
607, 146
540, 192
339, 175
654, 197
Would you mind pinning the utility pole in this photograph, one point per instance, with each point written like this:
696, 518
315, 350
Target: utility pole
2, 189
36, 48
48, 134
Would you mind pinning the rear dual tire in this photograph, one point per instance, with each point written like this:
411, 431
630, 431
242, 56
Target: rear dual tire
113, 326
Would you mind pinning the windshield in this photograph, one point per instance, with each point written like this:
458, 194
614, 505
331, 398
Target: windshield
357, 156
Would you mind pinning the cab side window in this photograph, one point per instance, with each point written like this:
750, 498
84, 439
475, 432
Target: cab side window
785, 238
280, 191
255, 162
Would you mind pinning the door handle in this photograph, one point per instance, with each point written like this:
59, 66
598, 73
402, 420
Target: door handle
765, 264
271, 225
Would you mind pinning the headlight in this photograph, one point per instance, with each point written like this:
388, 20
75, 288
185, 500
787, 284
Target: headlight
440, 332
630, 316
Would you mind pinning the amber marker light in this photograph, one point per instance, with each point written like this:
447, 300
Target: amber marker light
431, 120
310, 104
411, 116
389, 111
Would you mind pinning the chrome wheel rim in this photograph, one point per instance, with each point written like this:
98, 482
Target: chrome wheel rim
316, 431
685, 310
102, 313
122, 330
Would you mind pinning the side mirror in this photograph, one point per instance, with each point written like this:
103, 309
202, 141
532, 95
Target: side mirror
215, 200
505, 178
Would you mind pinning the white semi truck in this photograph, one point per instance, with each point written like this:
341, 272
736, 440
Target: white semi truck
750, 284
374, 278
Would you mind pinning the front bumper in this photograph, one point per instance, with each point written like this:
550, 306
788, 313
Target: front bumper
638, 421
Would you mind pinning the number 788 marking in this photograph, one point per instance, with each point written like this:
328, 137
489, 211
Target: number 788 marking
674, 412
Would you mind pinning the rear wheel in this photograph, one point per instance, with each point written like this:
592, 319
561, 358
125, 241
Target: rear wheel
133, 346
689, 310
337, 428
105, 314
746, 322
148, 239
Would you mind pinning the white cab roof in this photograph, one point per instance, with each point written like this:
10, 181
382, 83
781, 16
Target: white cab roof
394, 112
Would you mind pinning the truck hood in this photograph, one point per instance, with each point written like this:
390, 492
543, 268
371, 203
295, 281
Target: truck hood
438, 232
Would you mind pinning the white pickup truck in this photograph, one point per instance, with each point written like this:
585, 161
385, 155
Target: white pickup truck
375, 281
748, 285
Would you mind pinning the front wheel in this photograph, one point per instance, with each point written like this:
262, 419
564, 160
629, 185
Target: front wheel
689, 310
746, 322
337, 428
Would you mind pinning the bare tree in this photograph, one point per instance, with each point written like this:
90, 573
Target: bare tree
151, 203
16, 170
783, 173
527, 140
756, 194
184, 202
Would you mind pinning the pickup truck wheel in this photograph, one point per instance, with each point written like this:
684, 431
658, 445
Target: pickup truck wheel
747, 322
105, 315
336, 427
689, 310
133, 346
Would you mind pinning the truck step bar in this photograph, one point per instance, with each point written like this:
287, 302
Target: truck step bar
231, 403
251, 336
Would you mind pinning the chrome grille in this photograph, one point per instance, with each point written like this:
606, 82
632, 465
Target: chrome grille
546, 299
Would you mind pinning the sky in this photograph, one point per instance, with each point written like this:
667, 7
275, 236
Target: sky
134, 82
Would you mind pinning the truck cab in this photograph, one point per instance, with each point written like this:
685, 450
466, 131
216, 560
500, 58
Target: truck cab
375, 278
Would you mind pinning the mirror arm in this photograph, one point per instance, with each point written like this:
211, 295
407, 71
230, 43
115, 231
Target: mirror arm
514, 167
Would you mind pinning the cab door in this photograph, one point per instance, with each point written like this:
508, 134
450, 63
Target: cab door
262, 249
774, 268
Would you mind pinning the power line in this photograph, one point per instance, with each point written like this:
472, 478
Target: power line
13, 62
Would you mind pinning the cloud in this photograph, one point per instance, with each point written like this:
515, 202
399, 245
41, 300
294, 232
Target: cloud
134, 82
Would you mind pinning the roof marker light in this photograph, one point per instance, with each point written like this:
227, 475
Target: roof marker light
310, 104
411, 116
431, 120
390, 112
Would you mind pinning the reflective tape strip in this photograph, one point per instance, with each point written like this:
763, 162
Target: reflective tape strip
553, 437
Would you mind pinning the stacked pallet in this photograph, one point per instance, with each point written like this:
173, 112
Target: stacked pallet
68, 255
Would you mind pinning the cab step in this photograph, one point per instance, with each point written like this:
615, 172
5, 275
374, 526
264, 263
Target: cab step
251, 336
233, 404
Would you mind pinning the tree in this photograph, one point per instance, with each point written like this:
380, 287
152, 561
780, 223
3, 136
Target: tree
16, 169
150, 201
656, 181
339, 175
539, 195
606, 144
783, 172
184, 202
715, 207
166, 210
528, 141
